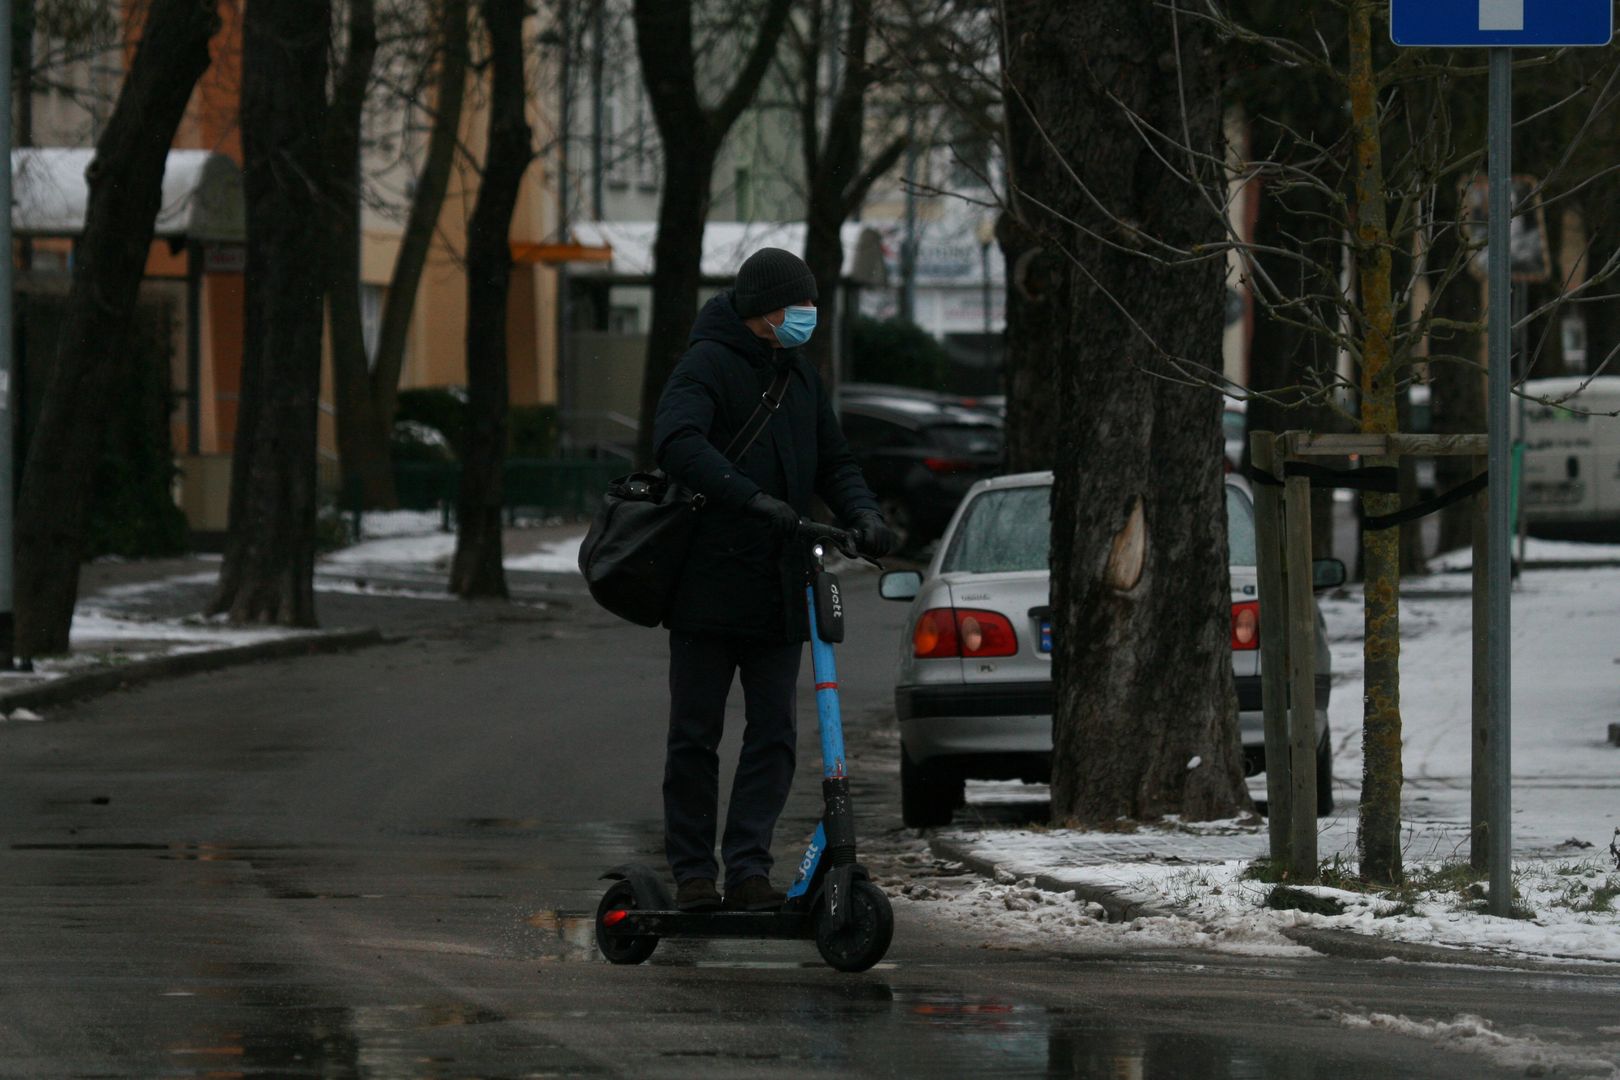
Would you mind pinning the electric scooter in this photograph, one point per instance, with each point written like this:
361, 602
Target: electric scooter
832, 899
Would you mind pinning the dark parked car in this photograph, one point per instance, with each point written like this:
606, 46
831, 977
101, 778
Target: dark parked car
920, 456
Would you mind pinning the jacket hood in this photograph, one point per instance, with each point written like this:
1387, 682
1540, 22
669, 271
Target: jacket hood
719, 321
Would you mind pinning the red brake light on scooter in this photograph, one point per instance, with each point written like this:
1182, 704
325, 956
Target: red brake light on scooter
1246, 625
985, 633
935, 635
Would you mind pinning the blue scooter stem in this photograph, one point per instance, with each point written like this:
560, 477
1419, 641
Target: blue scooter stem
836, 829
828, 716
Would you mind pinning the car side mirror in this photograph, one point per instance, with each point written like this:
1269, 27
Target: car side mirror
900, 585
1328, 574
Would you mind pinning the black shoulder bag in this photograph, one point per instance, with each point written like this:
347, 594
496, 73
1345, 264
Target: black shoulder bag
633, 554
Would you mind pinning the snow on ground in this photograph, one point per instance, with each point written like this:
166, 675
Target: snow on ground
561, 557
1535, 551
1566, 798
428, 548
381, 524
406, 538
1474, 1035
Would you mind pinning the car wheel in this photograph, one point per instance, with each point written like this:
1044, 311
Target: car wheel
899, 519
927, 798
1324, 776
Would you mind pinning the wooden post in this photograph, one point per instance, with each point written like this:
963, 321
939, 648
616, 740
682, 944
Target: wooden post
1479, 856
1273, 645
1301, 610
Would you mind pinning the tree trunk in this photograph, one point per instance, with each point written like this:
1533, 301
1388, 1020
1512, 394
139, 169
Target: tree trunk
824, 255
1414, 553
1040, 283
125, 180
691, 134
1379, 836
1138, 516
477, 571
362, 456
832, 167
417, 239
683, 213
1457, 390
268, 574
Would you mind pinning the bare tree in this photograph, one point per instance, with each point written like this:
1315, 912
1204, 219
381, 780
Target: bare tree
477, 571
268, 573
366, 389
125, 180
837, 167
1356, 270
692, 133
1139, 581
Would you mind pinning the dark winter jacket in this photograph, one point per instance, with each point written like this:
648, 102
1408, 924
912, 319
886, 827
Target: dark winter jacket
740, 577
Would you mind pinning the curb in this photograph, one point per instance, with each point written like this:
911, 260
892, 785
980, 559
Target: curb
1120, 907
1347, 945
91, 683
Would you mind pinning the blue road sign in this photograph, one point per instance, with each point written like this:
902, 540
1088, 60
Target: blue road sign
1467, 23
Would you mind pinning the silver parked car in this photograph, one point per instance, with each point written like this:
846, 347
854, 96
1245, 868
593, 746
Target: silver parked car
973, 688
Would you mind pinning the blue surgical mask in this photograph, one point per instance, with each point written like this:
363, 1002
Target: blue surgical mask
798, 323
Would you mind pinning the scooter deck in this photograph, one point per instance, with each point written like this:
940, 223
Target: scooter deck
714, 924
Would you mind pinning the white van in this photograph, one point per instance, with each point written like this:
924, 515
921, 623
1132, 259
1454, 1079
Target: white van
1572, 454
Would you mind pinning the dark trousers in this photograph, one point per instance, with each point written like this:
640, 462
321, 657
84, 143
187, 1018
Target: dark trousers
701, 669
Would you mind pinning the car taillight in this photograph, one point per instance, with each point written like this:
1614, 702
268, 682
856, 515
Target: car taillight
985, 633
1246, 625
942, 466
935, 635
946, 632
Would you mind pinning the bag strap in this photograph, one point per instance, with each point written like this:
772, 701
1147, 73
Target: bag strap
769, 402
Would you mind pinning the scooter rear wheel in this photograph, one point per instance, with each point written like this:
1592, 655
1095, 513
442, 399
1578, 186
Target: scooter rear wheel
862, 941
617, 948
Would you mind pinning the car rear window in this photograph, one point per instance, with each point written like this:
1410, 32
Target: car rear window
1003, 529
1239, 528
966, 438
1008, 529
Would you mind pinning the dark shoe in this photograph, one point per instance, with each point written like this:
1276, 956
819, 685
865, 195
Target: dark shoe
697, 894
754, 894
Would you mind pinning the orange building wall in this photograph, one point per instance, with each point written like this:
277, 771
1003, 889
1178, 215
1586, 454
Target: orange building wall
224, 295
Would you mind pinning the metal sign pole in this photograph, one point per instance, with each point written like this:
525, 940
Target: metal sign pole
1500, 166
7, 404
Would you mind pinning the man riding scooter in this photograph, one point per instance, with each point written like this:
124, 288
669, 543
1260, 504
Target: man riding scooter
739, 605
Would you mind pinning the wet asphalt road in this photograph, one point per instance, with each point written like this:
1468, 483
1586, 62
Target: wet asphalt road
381, 864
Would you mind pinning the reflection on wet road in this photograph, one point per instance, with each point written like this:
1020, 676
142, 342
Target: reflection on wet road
439, 953
384, 864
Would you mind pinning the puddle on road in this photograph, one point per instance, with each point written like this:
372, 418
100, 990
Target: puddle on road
571, 936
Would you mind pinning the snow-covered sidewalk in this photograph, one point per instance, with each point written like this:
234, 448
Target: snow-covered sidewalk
1566, 798
150, 611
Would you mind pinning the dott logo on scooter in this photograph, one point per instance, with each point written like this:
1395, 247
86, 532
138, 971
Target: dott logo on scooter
808, 863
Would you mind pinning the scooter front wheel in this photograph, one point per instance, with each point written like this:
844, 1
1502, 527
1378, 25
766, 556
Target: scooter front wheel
863, 940
620, 948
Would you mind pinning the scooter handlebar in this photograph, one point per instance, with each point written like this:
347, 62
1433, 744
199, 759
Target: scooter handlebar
814, 532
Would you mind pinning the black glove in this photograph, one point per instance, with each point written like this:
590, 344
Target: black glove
781, 516
873, 537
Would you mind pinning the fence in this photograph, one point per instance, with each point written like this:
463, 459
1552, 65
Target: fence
561, 487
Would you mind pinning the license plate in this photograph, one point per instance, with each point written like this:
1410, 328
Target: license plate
1046, 635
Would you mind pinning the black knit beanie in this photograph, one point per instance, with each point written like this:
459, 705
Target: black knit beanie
771, 279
